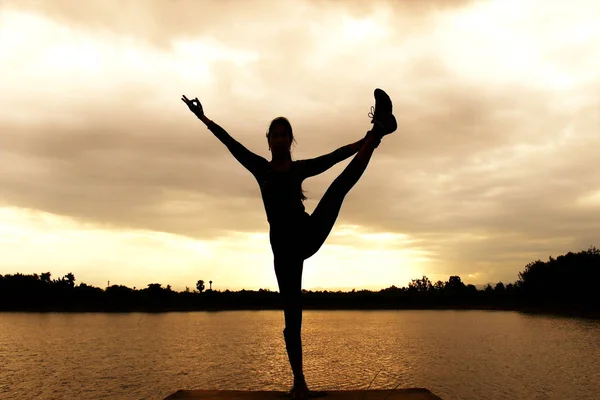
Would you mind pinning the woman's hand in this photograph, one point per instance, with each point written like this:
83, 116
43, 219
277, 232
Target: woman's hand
194, 106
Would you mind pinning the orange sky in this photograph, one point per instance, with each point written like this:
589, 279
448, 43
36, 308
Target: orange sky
108, 175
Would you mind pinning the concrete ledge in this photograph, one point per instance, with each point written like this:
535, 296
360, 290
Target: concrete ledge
397, 394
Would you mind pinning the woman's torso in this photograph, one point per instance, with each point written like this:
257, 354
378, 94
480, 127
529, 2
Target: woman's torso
281, 190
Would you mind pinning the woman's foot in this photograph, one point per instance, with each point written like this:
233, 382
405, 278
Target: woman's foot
383, 119
300, 391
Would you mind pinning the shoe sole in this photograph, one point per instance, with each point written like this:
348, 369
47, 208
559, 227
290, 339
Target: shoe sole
382, 98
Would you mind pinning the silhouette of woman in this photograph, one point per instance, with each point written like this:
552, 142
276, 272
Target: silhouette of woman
294, 234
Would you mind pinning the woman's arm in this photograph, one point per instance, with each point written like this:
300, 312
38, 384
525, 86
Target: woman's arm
248, 159
318, 165
252, 162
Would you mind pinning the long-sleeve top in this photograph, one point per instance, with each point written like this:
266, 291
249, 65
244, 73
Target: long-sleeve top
281, 190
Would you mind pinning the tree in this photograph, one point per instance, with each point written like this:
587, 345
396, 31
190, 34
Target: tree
200, 285
69, 279
45, 277
420, 285
155, 287
454, 284
499, 287
548, 282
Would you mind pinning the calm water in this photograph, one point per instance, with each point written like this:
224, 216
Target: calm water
456, 354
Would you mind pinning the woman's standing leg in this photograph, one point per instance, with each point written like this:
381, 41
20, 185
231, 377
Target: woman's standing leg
289, 278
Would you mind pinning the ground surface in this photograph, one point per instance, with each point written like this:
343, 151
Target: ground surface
398, 394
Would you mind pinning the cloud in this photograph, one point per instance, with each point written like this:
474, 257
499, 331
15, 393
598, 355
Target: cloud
158, 22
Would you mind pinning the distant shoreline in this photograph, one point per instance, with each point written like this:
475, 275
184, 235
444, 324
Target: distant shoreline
565, 286
591, 314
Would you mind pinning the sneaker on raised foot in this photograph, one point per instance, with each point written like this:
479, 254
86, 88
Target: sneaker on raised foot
381, 115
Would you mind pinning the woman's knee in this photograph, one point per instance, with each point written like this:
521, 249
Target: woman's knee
292, 333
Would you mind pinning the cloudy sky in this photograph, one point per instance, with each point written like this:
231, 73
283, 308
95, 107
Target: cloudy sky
106, 174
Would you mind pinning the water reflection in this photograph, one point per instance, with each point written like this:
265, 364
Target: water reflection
456, 354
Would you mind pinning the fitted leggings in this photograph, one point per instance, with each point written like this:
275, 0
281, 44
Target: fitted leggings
291, 249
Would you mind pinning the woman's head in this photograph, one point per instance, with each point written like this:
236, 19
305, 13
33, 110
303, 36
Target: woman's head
280, 135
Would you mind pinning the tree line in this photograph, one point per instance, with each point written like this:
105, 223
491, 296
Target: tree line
566, 284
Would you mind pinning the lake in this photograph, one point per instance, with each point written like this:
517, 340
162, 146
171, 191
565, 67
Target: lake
455, 354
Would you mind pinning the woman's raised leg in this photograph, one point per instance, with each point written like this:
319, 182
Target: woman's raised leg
328, 209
